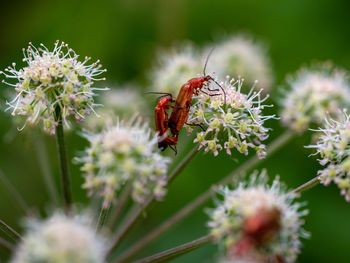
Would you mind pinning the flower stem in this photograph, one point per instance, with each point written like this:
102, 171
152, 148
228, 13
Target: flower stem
63, 161
44, 165
4, 243
16, 195
9, 231
134, 218
124, 197
308, 185
200, 200
103, 214
176, 251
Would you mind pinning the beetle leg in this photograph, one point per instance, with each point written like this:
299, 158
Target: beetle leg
196, 125
173, 148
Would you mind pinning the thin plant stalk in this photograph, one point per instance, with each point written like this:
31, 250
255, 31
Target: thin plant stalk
63, 162
103, 214
201, 199
4, 243
9, 231
308, 185
179, 168
176, 251
121, 203
45, 168
135, 216
187, 247
16, 195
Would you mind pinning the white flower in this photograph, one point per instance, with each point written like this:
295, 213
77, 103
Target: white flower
121, 154
238, 124
175, 68
258, 218
244, 57
314, 94
53, 85
123, 101
60, 239
333, 146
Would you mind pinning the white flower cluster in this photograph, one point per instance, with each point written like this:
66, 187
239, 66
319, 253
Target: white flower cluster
174, 69
236, 55
237, 124
314, 94
60, 239
124, 153
240, 55
333, 145
260, 215
124, 101
52, 86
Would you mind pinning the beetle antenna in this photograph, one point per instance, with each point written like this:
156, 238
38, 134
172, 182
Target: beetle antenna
159, 93
221, 89
206, 60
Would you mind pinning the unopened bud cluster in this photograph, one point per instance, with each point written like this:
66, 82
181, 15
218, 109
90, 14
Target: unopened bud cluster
174, 69
60, 239
230, 118
125, 153
313, 94
54, 85
241, 56
258, 219
123, 101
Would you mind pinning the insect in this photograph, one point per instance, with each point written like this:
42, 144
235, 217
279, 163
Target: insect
161, 121
258, 229
181, 109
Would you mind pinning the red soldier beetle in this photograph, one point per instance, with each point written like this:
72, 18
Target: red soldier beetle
161, 121
181, 109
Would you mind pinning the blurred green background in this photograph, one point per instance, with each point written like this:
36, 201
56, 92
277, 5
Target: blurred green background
125, 35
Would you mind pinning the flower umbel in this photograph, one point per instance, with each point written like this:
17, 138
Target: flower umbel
237, 124
174, 69
258, 219
124, 101
242, 56
314, 94
333, 145
124, 153
60, 239
53, 80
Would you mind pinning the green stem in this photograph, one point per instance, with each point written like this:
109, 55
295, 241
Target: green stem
121, 203
9, 231
179, 168
45, 168
200, 200
134, 218
4, 243
308, 185
176, 251
16, 195
63, 162
103, 214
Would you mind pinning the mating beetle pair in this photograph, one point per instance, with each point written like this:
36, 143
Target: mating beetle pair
180, 110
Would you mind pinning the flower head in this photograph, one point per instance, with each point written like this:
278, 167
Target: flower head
60, 239
53, 85
314, 94
333, 145
238, 124
244, 57
121, 154
124, 101
258, 219
174, 69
